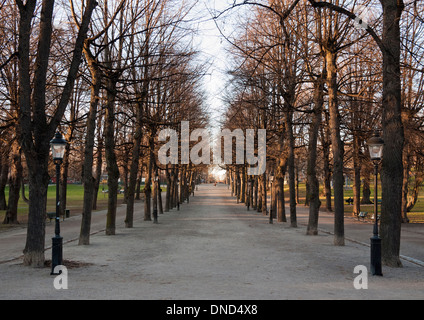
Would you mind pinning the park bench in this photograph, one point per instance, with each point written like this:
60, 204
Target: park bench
362, 215
52, 215
349, 201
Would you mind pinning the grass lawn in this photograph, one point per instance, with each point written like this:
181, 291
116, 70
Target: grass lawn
74, 201
415, 216
75, 194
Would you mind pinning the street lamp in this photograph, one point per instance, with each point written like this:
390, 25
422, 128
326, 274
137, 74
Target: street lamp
271, 179
155, 204
251, 183
58, 146
375, 145
249, 193
178, 198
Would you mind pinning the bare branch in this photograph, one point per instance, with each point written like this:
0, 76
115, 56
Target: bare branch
15, 54
281, 15
350, 15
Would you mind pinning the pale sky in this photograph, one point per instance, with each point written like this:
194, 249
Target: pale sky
213, 46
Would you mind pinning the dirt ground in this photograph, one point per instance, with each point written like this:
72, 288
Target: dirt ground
212, 249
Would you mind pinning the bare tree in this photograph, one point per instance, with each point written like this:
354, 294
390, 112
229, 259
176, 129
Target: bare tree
35, 131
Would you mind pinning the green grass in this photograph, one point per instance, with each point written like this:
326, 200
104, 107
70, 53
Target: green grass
75, 198
74, 201
75, 195
415, 216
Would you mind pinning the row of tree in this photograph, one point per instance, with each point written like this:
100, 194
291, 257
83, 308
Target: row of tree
109, 75
320, 77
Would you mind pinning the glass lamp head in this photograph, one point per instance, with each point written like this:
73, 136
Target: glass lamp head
376, 145
58, 146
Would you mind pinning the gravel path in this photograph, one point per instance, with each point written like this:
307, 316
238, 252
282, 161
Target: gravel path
212, 249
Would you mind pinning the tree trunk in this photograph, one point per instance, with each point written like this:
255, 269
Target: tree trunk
405, 186
296, 167
160, 204
291, 168
255, 195
243, 185
312, 180
125, 172
129, 219
231, 176
99, 164
4, 172
273, 204
281, 205
251, 186
366, 189
281, 171
237, 184
337, 147
174, 187
260, 191
23, 191
138, 186
88, 181
38, 184
326, 164
112, 166
148, 181
15, 180
415, 192
63, 183
356, 173
168, 190
393, 135
155, 198
264, 195
176, 196
182, 184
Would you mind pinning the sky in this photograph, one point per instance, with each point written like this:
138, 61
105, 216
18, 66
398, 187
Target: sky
213, 48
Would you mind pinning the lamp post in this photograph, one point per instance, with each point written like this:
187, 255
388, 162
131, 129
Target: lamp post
178, 198
155, 195
251, 182
58, 145
271, 179
249, 193
376, 144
